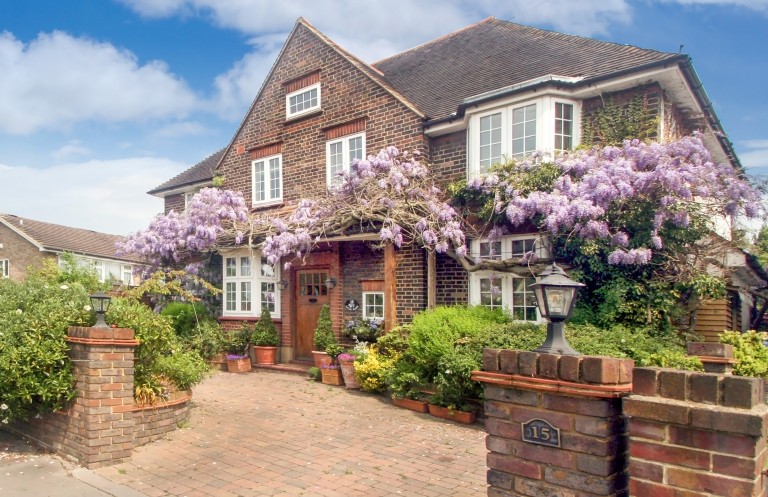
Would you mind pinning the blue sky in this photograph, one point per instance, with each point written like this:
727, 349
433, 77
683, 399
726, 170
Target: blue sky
102, 100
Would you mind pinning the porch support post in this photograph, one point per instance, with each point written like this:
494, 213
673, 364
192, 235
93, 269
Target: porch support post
390, 287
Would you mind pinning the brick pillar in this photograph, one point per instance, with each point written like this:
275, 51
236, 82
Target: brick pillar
696, 434
101, 416
554, 424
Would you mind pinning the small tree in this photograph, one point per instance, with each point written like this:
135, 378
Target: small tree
265, 332
324, 336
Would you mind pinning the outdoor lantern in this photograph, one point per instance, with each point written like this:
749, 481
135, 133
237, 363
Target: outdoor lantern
330, 283
282, 284
100, 304
555, 296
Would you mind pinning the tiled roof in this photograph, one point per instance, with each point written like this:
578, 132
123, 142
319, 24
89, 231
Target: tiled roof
493, 54
56, 237
200, 172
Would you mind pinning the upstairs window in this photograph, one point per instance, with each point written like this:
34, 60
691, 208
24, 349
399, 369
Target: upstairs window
267, 179
302, 101
341, 153
516, 130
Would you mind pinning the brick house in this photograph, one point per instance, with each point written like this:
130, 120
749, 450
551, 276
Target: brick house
27, 243
467, 99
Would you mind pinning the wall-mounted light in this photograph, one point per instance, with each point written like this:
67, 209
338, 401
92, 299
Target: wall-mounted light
330, 283
282, 284
100, 303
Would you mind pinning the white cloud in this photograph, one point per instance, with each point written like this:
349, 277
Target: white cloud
102, 195
402, 20
181, 129
71, 149
755, 156
59, 80
758, 5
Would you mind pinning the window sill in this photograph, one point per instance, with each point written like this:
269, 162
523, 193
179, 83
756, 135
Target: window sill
305, 115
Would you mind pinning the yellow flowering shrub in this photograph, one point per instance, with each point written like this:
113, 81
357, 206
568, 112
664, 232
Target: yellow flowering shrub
372, 370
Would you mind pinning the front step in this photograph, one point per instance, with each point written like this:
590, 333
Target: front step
299, 368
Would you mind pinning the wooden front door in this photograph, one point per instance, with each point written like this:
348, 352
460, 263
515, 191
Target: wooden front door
311, 296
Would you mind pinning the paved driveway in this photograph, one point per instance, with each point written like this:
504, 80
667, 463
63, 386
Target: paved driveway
272, 434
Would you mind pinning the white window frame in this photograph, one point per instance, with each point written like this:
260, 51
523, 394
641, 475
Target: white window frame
333, 178
545, 128
365, 305
506, 281
269, 196
188, 197
305, 89
126, 274
5, 268
258, 273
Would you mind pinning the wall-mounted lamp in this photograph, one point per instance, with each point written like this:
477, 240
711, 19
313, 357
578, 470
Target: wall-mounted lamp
330, 283
282, 284
100, 303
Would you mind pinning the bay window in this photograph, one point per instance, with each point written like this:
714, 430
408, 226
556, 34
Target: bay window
513, 131
249, 283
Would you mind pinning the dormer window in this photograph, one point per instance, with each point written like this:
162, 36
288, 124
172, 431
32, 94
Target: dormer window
302, 101
516, 130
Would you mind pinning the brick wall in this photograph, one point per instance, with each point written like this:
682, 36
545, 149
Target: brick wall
359, 262
20, 252
449, 157
99, 428
453, 282
644, 432
174, 202
347, 95
411, 276
695, 434
580, 397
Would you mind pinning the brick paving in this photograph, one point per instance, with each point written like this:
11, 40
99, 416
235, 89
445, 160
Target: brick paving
272, 434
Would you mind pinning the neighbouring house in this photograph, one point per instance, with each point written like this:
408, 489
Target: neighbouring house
27, 243
491, 90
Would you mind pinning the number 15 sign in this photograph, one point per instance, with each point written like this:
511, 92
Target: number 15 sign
538, 431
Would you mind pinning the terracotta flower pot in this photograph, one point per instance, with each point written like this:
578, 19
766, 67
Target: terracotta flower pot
321, 359
348, 372
332, 376
242, 365
265, 355
466, 418
413, 405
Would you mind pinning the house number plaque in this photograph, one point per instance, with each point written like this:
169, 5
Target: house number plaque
538, 431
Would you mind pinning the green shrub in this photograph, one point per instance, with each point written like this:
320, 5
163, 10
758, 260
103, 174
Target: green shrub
265, 332
184, 369
35, 370
236, 342
395, 341
314, 373
750, 353
185, 316
373, 370
206, 339
324, 336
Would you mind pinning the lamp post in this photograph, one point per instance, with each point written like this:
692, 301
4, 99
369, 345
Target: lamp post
555, 296
100, 303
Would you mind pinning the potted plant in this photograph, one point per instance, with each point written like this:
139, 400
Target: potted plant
265, 339
406, 388
366, 330
461, 412
347, 364
236, 344
323, 337
332, 374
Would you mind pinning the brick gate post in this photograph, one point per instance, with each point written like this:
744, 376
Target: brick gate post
696, 434
100, 431
554, 424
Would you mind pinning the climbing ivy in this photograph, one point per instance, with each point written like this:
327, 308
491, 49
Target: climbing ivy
613, 123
